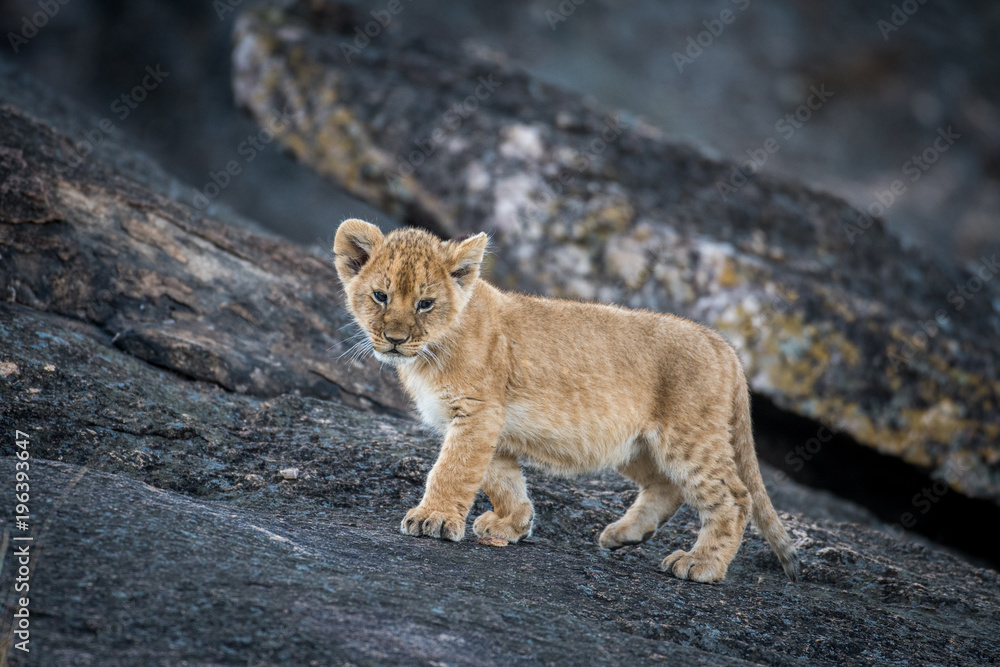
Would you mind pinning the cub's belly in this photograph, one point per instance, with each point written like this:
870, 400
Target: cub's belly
568, 445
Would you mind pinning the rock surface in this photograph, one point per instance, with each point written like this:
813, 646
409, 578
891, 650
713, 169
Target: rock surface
165, 532
103, 243
835, 320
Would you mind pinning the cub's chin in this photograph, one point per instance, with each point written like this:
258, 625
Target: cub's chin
393, 359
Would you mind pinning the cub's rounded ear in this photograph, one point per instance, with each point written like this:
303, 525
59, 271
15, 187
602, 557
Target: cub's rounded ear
466, 257
353, 246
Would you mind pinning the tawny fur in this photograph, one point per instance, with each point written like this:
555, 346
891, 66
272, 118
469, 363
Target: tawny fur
570, 386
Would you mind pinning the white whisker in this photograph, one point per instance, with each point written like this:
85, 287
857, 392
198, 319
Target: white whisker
353, 351
429, 357
349, 340
364, 352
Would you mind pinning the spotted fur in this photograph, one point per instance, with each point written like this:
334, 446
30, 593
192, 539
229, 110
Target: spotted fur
570, 386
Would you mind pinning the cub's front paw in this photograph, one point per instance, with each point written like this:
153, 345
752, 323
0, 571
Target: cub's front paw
506, 528
433, 523
623, 533
695, 567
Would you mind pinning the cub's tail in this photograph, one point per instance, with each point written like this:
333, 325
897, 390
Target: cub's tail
762, 512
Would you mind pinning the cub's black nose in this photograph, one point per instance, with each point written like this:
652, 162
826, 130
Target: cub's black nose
395, 341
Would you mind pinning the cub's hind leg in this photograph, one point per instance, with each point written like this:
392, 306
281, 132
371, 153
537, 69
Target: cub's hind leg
657, 501
512, 514
713, 487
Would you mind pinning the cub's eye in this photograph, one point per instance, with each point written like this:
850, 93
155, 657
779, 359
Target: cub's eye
425, 304
380, 296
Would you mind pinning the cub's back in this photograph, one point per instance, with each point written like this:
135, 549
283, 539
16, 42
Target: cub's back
608, 341
595, 362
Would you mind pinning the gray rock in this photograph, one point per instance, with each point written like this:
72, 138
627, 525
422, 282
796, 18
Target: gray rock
103, 242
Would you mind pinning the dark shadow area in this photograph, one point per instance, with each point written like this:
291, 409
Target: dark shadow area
904, 496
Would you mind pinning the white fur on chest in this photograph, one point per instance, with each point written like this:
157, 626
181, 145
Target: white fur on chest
430, 405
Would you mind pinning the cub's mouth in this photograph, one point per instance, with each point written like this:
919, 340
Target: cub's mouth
394, 356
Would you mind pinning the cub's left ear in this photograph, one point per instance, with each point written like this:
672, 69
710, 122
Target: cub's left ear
467, 257
353, 246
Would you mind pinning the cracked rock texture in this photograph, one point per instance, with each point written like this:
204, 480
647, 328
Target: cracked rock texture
835, 320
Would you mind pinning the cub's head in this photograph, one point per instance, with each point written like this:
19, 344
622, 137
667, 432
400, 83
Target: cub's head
407, 288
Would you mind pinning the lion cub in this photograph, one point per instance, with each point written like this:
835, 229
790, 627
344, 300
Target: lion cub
571, 386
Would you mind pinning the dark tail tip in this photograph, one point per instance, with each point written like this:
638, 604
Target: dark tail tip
790, 564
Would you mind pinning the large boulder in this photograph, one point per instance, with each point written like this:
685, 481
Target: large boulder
835, 319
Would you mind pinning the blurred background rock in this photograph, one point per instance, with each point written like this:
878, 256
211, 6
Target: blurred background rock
892, 91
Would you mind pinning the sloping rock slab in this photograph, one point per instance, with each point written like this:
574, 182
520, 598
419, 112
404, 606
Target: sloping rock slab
834, 319
205, 299
225, 561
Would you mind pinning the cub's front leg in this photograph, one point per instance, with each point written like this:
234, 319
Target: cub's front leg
452, 484
512, 513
